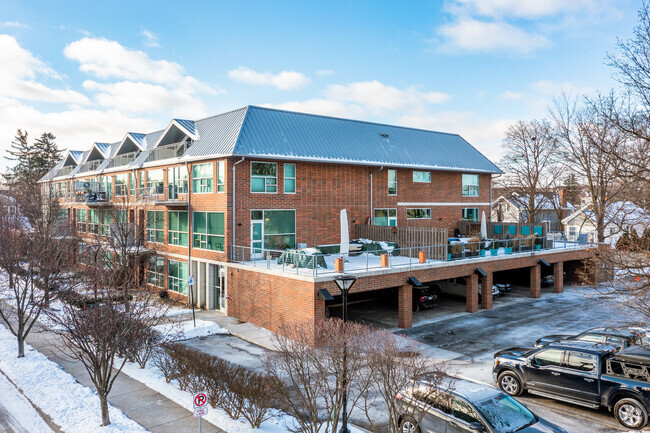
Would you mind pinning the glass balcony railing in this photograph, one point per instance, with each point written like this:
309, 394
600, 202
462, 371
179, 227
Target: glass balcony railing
174, 150
123, 159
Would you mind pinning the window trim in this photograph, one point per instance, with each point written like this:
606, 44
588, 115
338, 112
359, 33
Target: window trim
264, 177
421, 181
418, 208
387, 215
284, 175
388, 182
170, 278
147, 229
469, 186
171, 233
295, 224
472, 220
160, 275
221, 168
194, 233
194, 191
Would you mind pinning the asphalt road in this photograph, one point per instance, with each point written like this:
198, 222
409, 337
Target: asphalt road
478, 336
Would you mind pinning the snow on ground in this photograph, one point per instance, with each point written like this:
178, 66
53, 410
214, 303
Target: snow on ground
17, 406
154, 379
187, 330
72, 406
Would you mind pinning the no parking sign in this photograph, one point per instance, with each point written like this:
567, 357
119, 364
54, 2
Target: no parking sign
200, 403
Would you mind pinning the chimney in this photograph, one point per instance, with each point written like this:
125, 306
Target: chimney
563, 199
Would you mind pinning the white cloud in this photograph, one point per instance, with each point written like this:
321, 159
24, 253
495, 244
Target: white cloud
14, 24
139, 97
19, 70
530, 8
377, 97
323, 72
472, 35
150, 40
109, 59
325, 107
285, 80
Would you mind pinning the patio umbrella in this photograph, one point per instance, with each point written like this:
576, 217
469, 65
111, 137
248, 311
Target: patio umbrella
483, 226
345, 234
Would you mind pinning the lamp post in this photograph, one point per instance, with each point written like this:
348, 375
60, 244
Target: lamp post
345, 283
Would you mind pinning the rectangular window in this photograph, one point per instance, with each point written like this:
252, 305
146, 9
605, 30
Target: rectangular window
93, 221
470, 185
156, 271
82, 253
81, 220
392, 182
156, 181
177, 228
289, 178
418, 214
221, 176
120, 184
264, 177
121, 216
63, 214
176, 181
208, 228
422, 176
279, 229
142, 176
177, 276
155, 226
107, 220
106, 186
470, 214
386, 217
202, 176
131, 184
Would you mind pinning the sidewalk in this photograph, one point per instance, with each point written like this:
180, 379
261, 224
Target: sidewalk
152, 410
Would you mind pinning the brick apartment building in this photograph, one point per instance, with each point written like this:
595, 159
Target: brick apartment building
214, 195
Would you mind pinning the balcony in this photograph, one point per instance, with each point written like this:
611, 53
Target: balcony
172, 196
382, 256
90, 166
174, 150
92, 193
123, 159
65, 170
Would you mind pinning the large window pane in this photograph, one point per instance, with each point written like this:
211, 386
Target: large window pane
202, 176
470, 185
279, 222
392, 182
264, 177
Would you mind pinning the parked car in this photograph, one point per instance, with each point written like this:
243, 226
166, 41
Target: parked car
458, 287
549, 280
581, 373
464, 405
504, 288
424, 297
617, 337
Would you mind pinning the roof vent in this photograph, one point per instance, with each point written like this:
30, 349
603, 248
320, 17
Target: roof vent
384, 135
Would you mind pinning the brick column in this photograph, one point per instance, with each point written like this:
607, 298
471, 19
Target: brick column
471, 292
405, 307
486, 291
558, 277
535, 277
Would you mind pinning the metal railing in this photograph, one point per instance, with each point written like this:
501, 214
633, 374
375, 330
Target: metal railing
123, 159
173, 150
317, 264
90, 166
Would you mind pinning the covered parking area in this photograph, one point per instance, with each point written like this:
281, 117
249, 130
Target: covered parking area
385, 299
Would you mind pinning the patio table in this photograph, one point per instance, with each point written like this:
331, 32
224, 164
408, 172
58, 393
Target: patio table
301, 259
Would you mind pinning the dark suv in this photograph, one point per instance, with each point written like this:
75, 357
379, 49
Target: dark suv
586, 374
460, 405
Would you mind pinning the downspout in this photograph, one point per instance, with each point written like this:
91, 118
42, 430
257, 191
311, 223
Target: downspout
189, 240
372, 212
234, 202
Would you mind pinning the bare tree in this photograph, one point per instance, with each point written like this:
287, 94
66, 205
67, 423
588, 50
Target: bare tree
532, 165
96, 332
34, 245
591, 142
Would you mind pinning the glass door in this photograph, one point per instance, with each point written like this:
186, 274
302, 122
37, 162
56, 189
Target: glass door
257, 238
217, 284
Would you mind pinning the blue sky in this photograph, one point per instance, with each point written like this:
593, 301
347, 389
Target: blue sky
91, 71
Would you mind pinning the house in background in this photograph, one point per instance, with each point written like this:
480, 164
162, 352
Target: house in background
513, 208
621, 217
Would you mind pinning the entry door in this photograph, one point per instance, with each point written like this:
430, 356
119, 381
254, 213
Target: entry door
218, 287
257, 238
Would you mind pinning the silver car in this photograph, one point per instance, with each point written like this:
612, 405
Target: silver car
461, 405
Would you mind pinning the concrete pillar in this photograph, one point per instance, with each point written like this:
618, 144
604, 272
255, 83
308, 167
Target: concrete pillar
486, 291
558, 277
535, 281
405, 307
471, 292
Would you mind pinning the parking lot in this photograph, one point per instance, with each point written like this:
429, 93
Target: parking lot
518, 321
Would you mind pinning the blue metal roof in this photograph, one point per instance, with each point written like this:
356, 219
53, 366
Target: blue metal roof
138, 138
188, 125
103, 148
274, 133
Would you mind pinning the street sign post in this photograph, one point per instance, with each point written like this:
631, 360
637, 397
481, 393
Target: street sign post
190, 280
200, 405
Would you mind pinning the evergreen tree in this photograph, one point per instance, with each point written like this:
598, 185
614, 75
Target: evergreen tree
572, 190
20, 152
31, 162
46, 154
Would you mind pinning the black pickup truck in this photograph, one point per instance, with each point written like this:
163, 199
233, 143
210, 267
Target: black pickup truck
586, 374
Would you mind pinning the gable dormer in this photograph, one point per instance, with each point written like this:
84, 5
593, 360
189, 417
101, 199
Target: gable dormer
95, 156
71, 160
175, 140
129, 148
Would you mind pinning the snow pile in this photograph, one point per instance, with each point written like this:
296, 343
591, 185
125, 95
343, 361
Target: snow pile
72, 406
310, 251
187, 330
21, 409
